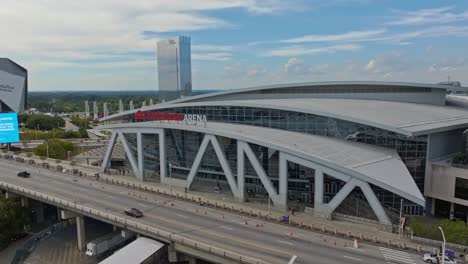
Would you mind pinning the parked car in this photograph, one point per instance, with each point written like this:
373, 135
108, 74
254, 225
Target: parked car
24, 174
434, 258
134, 212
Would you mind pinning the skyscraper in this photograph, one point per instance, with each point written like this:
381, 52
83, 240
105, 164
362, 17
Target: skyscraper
174, 68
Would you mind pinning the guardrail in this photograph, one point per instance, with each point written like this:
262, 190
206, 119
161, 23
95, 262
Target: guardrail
130, 224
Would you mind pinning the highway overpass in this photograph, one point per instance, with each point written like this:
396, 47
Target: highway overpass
205, 233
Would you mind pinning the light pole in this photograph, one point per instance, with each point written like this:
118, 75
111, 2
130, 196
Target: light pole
443, 245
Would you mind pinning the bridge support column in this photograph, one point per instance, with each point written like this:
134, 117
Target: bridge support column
38, 209
80, 232
172, 254
10, 195
193, 260
24, 202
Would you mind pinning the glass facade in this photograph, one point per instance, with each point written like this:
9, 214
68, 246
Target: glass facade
461, 188
174, 68
182, 146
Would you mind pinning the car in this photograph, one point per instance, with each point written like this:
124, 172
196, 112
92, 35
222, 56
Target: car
434, 258
24, 174
134, 212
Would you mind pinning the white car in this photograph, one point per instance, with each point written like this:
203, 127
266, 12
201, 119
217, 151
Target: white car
434, 258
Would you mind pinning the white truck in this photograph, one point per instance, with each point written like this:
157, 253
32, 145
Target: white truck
108, 242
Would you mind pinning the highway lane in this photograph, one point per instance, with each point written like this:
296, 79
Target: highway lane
271, 242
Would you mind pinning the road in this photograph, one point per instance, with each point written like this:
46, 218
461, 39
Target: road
272, 243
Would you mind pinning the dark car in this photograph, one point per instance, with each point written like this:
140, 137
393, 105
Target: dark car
134, 212
24, 174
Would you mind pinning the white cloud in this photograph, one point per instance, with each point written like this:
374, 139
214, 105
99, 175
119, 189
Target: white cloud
66, 30
388, 64
300, 50
344, 37
211, 48
214, 56
440, 15
296, 66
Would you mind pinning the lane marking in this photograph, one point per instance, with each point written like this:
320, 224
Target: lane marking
348, 257
183, 216
287, 243
144, 205
228, 228
83, 189
357, 249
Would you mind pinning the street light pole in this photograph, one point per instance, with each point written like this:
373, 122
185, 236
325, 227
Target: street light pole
443, 245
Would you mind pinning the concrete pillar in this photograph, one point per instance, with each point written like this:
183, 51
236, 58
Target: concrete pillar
24, 201
318, 191
452, 210
192, 260
80, 233
39, 209
241, 171
172, 254
10, 195
283, 179
433, 200
162, 156
140, 155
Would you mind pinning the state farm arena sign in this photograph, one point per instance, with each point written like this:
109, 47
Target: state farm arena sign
167, 116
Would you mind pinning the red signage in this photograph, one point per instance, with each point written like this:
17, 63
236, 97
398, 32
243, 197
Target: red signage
158, 116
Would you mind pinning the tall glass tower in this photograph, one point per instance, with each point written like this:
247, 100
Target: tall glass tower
174, 68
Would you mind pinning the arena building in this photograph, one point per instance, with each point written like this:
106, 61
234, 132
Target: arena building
13, 86
367, 149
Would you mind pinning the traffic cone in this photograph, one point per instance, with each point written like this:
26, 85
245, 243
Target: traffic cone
246, 222
334, 242
172, 204
345, 244
206, 213
291, 234
356, 244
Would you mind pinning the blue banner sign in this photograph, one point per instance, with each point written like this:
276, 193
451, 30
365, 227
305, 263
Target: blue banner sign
9, 128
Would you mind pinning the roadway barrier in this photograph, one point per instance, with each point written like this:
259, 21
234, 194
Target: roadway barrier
130, 224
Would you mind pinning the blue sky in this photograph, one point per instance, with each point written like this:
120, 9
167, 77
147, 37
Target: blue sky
110, 44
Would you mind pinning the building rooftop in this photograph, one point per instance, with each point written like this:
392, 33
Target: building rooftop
405, 118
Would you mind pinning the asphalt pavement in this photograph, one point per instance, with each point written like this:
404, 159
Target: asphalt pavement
270, 242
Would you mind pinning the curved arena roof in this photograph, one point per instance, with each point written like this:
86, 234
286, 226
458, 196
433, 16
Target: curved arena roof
407, 118
377, 165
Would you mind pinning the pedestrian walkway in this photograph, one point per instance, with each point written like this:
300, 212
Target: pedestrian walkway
396, 256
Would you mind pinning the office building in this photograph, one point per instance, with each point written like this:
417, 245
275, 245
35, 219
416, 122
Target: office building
174, 68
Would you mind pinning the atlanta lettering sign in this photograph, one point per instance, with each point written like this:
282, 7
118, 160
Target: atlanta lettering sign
166, 116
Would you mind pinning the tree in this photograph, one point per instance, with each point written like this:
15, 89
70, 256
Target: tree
44, 122
56, 148
13, 218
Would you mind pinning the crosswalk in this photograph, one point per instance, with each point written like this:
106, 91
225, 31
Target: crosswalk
396, 256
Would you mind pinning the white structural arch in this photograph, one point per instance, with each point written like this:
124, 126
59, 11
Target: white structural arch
354, 163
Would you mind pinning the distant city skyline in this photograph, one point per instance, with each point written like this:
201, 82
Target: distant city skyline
110, 44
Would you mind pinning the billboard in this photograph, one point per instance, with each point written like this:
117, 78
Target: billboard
9, 128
